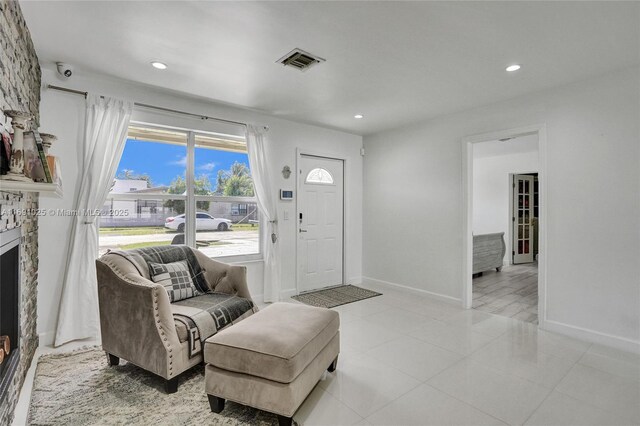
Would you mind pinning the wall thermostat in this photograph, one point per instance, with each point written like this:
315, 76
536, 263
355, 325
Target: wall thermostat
286, 194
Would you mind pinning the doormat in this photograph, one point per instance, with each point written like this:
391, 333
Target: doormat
336, 296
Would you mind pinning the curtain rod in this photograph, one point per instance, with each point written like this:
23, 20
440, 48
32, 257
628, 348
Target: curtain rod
175, 111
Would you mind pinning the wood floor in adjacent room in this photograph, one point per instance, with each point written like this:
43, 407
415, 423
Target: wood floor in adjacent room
512, 293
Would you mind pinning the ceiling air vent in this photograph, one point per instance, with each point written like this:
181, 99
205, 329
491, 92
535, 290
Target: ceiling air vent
299, 59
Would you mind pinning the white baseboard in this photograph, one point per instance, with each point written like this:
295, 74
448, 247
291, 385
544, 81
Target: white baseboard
46, 338
592, 336
354, 280
285, 294
438, 296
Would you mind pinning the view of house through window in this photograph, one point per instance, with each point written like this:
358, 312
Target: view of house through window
148, 203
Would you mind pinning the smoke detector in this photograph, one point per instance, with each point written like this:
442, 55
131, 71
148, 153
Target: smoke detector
300, 60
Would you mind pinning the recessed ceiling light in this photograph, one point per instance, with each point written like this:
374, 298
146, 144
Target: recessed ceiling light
514, 67
159, 65
358, 116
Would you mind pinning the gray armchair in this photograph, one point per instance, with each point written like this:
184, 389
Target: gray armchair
140, 325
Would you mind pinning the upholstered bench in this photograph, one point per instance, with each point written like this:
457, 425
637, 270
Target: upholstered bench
273, 359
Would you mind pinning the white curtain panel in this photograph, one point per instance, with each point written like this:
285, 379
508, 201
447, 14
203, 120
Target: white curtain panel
106, 125
265, 195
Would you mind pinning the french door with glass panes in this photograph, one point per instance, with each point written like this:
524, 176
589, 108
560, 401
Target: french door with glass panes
522, 219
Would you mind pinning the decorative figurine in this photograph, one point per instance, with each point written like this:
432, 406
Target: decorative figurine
19, 121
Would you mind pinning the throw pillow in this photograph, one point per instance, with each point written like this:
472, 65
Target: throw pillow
175, 278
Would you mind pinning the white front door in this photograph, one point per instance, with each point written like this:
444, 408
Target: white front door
320, 222
522, 219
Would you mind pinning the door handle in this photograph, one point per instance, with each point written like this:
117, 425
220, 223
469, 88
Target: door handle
302, 230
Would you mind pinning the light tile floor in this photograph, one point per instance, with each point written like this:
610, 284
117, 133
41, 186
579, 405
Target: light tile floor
411, 360
407, 359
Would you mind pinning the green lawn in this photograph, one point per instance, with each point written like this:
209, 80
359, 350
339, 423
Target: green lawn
165, 243
212, 243
145, 244
245, 227
140, 230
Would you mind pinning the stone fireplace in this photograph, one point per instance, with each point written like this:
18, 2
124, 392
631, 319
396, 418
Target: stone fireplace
19, 90
9, 308
18, 292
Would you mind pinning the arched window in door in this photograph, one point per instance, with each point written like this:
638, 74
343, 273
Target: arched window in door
320, 176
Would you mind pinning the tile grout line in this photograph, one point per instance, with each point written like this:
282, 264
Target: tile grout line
596, 369
546, 397
393, 368
551, 390
557, 384
458, 399
610, 358
463, 357
395, 399
467, 404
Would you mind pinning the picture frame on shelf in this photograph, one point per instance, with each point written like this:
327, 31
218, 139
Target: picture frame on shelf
33, 167
42, 155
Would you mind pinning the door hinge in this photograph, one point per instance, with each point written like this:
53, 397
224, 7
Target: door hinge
513, 253
513, 219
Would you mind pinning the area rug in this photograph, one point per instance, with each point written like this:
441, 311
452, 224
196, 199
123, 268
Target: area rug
336, 296
78, 388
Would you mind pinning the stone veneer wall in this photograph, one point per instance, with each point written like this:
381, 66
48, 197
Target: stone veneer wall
12, 208
20, 90
19, 66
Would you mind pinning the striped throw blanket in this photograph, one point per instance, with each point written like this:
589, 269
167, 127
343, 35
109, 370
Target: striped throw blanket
199, 317
205, 315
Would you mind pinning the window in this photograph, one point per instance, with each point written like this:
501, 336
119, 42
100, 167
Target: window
239, 209
174, 186
147, 206
320, 176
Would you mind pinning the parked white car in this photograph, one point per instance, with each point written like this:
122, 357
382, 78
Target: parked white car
204, 222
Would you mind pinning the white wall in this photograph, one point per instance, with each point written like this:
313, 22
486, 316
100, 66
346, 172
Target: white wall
491, 181
122, 186
63, 115
593, 199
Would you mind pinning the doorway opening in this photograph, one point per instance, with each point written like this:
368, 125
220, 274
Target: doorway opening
320, 223
504, 234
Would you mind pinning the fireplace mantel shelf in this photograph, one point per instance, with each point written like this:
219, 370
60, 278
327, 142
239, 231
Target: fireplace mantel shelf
51, 189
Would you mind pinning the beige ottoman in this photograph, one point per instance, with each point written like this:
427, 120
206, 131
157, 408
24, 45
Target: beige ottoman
273, 359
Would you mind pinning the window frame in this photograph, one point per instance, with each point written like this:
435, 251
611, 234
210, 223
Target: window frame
191, 198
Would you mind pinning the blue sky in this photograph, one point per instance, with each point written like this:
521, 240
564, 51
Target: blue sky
163, 162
